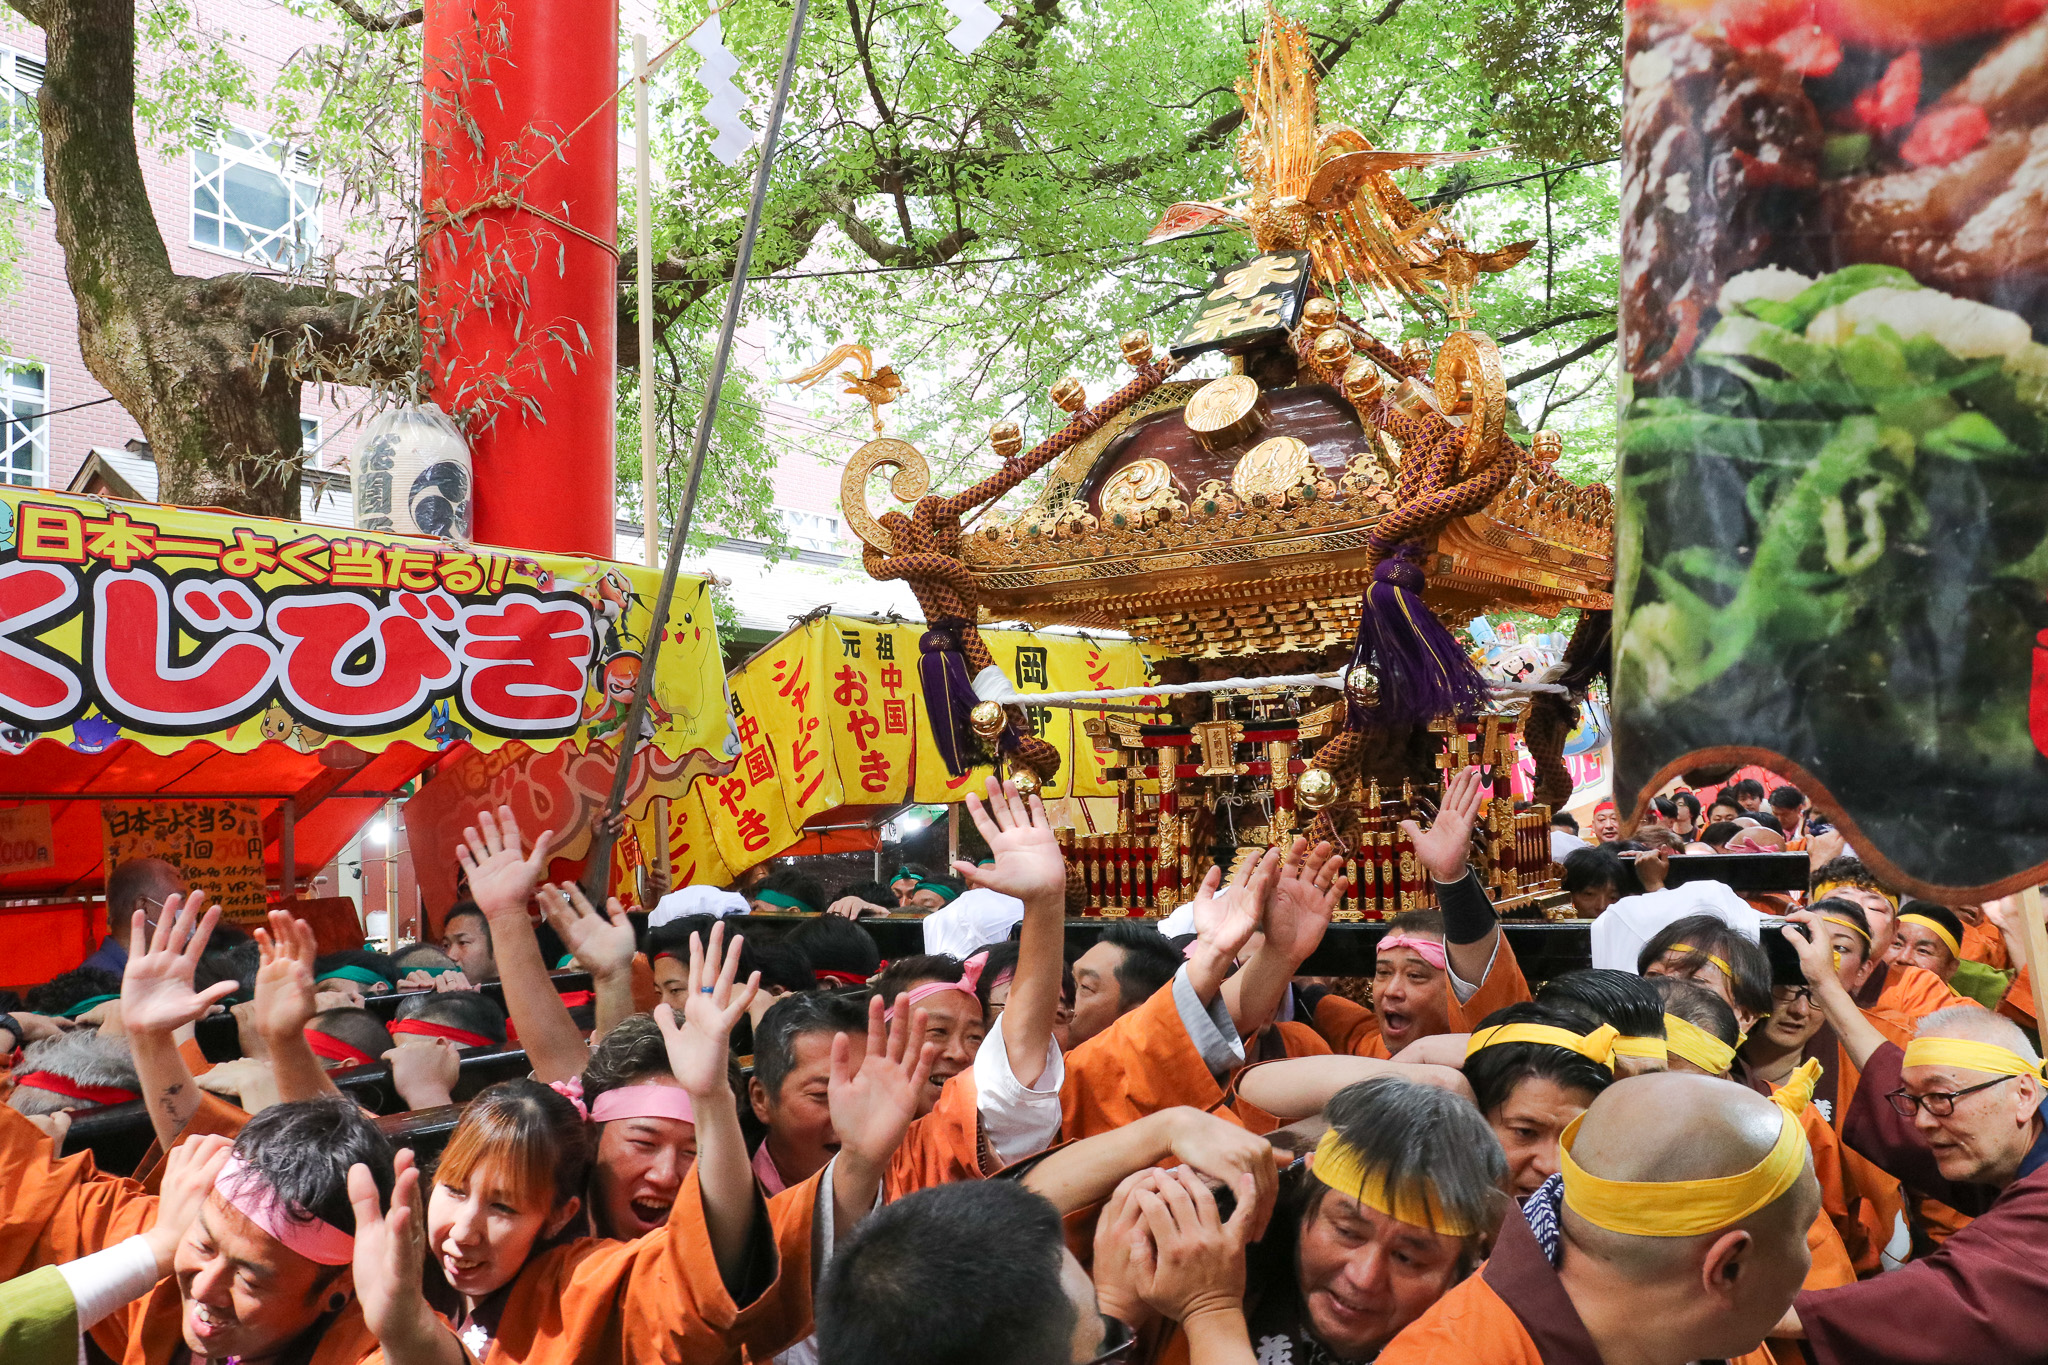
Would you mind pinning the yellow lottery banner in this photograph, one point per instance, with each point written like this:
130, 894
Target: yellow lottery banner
130, 621
830, 718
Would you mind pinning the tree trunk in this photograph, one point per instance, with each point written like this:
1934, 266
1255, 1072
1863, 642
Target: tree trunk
181, 354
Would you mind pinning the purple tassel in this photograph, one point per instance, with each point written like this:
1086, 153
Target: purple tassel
949, 698
1421, 672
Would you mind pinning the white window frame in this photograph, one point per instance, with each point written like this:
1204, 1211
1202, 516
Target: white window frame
21, 73
819, 531
309, 435
225, 144
38, 441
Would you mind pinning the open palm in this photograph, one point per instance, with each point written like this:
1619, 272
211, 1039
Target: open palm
1226, 922
873, 1105
699, 1044
1445, 847
1305, 895
157, 992
285, 994
501, 875
1028, 863
603, 944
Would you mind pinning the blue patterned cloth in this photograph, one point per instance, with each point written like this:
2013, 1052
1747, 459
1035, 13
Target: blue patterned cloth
1541, 1209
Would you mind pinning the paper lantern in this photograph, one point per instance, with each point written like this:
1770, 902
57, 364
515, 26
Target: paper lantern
412, 474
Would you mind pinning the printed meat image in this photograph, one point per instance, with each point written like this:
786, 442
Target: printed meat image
1834, 446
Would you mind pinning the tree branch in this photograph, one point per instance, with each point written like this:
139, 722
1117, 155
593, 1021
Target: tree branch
1538, 328
1579, 352
377, 23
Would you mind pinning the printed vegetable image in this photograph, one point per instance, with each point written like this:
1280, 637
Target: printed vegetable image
1834, 443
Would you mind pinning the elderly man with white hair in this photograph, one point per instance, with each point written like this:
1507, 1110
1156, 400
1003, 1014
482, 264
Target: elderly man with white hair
1956, 1114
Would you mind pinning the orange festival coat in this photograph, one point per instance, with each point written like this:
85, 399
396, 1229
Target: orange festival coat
1349, 1027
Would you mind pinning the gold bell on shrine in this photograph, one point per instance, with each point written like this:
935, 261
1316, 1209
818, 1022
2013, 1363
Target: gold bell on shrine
1315, 789
1024, 780
987, 719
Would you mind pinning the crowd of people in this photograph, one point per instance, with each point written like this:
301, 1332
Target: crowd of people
1804, 1129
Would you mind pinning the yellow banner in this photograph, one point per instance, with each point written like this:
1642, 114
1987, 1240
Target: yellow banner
831, 716
164, 625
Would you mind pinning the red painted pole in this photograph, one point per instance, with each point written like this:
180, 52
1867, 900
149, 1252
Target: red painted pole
518, 312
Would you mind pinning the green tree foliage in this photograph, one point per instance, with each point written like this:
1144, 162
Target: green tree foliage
977, 220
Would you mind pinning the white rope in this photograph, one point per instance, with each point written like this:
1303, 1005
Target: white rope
1334, 681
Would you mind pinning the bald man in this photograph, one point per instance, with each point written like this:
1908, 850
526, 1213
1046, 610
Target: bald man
1619, 1258
1984, 1294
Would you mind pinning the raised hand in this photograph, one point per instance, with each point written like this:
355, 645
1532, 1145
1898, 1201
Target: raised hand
189, 1172
157, 994
1196, 1260
285, 994
1446, 846
1305, 896
698, 1046
501, 876
1028, 863
390, 1255
603, 944
872, 1105
1225, 923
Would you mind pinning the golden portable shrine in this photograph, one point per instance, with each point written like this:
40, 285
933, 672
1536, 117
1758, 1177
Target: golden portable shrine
1292, 536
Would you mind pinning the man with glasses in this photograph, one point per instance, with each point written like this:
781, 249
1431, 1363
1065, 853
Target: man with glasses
138, 884
1955, 1114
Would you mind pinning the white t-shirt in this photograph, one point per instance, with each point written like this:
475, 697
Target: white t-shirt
977, 916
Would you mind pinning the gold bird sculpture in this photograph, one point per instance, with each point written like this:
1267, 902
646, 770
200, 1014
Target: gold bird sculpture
875, 386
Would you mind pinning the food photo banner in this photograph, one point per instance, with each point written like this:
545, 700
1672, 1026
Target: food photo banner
165, 625
1833, 481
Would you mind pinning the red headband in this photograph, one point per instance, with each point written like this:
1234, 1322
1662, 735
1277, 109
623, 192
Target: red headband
459, 1036
326, 1045
825, 976
70, 1089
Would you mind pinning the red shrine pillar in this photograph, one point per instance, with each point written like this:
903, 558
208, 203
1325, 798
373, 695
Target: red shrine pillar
518, 302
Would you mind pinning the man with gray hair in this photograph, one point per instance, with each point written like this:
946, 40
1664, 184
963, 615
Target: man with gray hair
138, 884
1398, 1202
83, 1069
1957, 1116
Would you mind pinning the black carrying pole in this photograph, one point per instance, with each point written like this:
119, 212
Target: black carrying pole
597, 873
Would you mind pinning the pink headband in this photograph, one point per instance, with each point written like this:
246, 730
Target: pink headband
643, 1102
1428, 949
244, 1188
968, 984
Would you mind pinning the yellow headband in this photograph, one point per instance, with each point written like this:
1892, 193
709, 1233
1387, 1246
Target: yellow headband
1822, 891
1686, 1039
1939, 930
1648, 1049
1797, 1091
1726, 970
1597, 1046
1680, 1208
1986, 1057
1342, 1167
1851, 925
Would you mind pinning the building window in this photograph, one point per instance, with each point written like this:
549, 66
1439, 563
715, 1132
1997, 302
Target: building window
810, 530
254, 198
25, 439
309, 436
21, 132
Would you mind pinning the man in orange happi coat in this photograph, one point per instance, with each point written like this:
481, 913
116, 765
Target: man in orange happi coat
1676, 1231
1438, 971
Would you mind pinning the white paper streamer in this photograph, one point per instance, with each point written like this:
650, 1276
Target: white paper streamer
723, 110
977, 21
